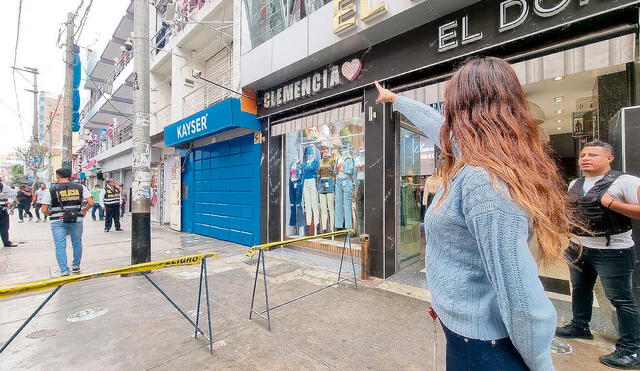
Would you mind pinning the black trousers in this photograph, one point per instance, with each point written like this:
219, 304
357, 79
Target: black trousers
36, 208
24, 207
615, 268
112, 214
4, 227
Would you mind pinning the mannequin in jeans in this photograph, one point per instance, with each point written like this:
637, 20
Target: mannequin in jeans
345, 168
309, 186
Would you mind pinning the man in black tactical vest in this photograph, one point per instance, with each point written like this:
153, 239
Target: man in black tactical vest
63, 204
110, 199
604, 201
7, 197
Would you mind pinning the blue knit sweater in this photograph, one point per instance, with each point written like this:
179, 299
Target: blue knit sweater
482, 276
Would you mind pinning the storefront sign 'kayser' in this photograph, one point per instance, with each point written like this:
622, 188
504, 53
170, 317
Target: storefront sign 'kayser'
324, 79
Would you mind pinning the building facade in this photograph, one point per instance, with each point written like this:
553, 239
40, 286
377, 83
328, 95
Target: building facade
50, 115
204, 157
577, 62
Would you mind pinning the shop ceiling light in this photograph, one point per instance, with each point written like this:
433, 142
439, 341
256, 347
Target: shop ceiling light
558, 78
559, 128
559, 98
559, 111
559, 121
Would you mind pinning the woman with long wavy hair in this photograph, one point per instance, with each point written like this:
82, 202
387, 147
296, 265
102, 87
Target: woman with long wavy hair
500, 189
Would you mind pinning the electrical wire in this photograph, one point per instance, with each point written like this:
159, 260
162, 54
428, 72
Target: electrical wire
15, 58
102, 94
82, 22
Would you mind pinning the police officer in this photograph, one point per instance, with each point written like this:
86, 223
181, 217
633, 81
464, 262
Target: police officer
110, 199
63, 204
604, 201
7, 197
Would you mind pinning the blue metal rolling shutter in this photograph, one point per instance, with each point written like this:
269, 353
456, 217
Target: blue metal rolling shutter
225, 192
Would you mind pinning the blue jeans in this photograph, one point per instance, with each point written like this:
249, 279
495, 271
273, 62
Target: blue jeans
100, 211
60, 231
344, 197
295, 198
615, 268
464, 354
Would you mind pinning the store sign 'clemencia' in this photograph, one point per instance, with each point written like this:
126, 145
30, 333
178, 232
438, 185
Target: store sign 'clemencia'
314, 83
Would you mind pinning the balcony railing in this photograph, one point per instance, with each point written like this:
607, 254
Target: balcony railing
108, 139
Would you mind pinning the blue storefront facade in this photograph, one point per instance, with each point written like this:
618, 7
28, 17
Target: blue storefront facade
220, 157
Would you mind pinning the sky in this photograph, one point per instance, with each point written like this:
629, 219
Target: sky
40, 22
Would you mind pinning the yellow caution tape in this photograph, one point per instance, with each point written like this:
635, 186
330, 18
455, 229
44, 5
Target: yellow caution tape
254, 249
22, 288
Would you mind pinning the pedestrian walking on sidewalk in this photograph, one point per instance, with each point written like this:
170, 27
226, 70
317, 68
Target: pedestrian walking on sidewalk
7, 197
605, 200
63, 204
24, 203
110, 200
95, 194
125, 197
37, 201
500, 189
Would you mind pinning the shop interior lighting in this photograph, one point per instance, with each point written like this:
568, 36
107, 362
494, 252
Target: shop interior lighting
558, 78
559, 128
558, 99
559, 111
559, 121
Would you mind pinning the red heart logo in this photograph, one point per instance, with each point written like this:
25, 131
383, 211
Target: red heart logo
351, 69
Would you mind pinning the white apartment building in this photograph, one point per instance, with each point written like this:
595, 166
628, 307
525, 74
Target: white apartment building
186, 36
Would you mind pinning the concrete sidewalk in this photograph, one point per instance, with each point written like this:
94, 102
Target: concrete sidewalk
382, 326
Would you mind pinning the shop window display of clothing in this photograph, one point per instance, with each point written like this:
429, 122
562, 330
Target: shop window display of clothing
310, 188
295, 194
326, 189
345, 168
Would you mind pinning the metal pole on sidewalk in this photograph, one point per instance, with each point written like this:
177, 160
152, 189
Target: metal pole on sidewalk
35, 105
141, 187
68, 95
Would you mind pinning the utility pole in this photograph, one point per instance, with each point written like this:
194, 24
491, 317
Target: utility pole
141, 188
35, 105
50, 140
67, 151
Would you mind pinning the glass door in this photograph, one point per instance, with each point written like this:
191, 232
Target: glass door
415, 163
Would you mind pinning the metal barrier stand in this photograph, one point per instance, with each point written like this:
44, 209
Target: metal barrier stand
144, 269
261, 261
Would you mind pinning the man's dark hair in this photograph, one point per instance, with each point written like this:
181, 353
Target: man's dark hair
63, 173
98, 185
601, 144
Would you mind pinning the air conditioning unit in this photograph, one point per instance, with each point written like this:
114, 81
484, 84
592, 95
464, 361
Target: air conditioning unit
189, 83
170, 12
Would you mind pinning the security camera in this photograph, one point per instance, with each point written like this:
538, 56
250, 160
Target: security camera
128, 45
196, 73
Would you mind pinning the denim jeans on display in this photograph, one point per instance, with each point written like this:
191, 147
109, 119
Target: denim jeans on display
464, 354
615, 268
295, 198
344, 197
60, 231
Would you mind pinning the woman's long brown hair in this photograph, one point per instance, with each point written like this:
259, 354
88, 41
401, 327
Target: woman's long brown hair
488, 119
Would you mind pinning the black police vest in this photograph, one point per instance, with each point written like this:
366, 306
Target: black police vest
4, 202
599, 220
111, 196
66, 201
